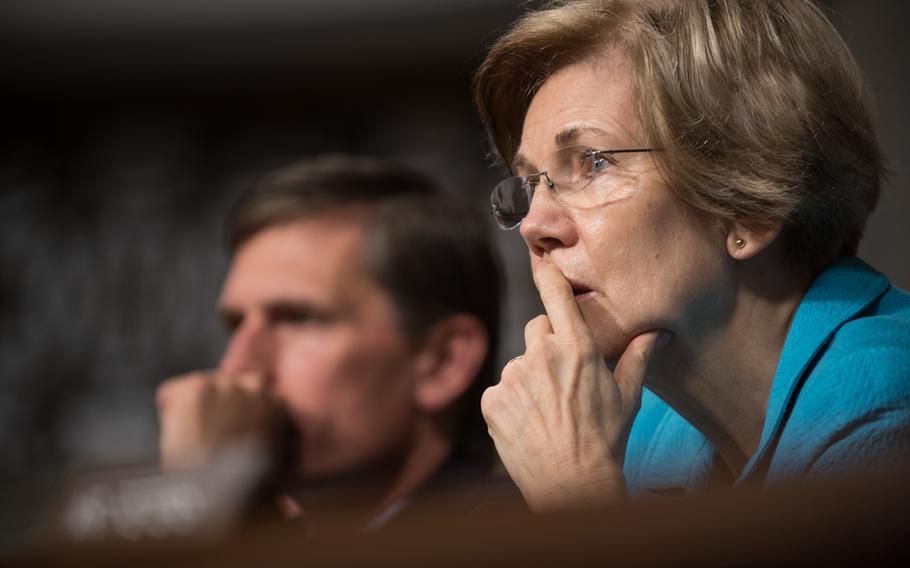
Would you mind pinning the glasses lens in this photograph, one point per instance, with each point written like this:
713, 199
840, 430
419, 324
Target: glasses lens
510, 201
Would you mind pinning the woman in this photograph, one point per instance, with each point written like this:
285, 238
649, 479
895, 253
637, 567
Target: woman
692, 179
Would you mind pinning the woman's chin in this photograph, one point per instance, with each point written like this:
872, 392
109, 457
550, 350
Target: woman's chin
611, 345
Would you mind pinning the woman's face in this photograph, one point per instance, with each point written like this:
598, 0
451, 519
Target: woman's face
640, 258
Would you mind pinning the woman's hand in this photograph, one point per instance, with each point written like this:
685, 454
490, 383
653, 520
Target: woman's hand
559, 418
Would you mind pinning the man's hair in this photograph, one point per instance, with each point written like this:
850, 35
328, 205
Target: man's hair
761, 113
427, 248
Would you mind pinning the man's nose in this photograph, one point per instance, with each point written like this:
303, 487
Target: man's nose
548, 224
251, 349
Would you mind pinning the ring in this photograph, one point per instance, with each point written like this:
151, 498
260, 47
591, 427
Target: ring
513, 359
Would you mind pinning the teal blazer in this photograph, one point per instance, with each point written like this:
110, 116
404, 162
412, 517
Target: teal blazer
839, 403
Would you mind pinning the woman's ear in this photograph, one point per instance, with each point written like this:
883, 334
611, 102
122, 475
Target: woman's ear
451, 355
744, 243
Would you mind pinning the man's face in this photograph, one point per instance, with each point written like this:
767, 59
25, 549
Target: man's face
302, 311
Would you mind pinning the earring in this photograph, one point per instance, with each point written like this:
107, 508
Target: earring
740, 243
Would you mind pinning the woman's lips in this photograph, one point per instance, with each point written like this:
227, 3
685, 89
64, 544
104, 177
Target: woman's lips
579, 289
580, 292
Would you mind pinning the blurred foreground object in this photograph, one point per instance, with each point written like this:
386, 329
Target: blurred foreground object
860, 521
144, 503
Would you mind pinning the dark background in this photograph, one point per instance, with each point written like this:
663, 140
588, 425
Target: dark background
129, 127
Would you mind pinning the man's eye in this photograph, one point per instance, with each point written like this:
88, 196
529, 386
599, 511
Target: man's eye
293, 317
231, 323
298, 316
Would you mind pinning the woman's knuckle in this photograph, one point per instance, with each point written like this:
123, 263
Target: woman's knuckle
579, 346
488, 402
508, 373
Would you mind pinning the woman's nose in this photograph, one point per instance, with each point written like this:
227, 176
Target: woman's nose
548, 224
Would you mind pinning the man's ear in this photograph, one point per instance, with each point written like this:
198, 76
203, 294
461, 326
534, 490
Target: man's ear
450, 357
744, 243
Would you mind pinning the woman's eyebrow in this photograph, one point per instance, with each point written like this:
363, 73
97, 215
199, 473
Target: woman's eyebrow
518, 161
563, 138
572, 133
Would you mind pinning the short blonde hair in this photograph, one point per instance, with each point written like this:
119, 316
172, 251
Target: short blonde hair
761, 112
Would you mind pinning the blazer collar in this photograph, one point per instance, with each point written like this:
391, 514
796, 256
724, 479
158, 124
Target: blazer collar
835, 297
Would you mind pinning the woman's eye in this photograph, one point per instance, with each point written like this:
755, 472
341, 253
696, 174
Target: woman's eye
600, 162
592, 163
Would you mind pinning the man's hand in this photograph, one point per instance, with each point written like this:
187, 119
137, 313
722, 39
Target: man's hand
205, 413
559, 418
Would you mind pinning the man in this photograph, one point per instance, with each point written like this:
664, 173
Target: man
362, 310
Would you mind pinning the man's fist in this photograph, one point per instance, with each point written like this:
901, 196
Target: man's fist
205, 413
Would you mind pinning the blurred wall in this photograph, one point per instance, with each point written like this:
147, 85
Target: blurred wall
877, 32
129, 128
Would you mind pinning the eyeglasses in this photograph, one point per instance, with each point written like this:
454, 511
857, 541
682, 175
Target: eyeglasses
572, 170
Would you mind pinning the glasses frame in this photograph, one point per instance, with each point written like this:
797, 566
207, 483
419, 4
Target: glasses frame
529, 184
